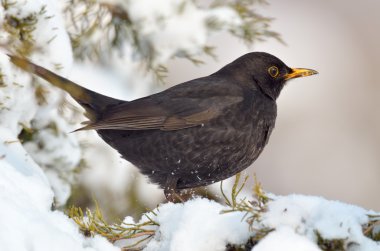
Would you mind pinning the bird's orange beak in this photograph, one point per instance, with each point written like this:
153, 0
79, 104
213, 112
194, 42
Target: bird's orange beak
299, 72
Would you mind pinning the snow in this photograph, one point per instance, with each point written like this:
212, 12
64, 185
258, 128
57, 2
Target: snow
293, 221
306, 215
26, 195
13, 153
51, 147
15, 112
26, 219
197, 225
284, 238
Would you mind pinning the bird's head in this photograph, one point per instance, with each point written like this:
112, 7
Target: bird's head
266, 72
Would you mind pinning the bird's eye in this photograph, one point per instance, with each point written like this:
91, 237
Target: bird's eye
273, 71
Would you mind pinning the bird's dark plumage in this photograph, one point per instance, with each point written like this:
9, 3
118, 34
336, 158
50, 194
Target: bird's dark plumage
195, 133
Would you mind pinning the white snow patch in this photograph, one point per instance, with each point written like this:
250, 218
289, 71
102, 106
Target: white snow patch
26, 219
197, 225
283, 239
51, 147
306, 215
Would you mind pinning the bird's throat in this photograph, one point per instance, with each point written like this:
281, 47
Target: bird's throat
268, 93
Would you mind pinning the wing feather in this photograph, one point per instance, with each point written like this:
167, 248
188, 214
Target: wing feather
166, 112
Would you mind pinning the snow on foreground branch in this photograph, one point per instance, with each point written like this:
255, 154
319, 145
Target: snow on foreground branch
26, 219
294, 222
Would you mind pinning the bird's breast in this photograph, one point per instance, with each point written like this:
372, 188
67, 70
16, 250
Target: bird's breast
199, 155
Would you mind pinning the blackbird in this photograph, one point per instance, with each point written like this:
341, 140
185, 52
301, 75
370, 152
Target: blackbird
192, 134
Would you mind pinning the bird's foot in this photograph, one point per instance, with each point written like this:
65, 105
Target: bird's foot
172, 195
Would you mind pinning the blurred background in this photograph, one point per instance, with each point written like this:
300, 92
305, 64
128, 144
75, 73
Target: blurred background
327, 136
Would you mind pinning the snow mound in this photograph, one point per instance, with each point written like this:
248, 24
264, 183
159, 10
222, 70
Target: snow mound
308, 219
284, 238
26, 219
197, 225
289, 223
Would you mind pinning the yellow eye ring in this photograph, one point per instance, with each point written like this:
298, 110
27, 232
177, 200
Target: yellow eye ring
273, 71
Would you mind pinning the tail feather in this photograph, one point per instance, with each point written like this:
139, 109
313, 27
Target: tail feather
94, 103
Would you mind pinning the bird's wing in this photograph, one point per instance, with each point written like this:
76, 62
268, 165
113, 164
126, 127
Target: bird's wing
165, 112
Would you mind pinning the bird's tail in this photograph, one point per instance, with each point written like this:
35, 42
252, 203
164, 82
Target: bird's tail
94, 103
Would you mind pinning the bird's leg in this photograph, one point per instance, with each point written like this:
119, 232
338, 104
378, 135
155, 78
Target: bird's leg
171, 192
